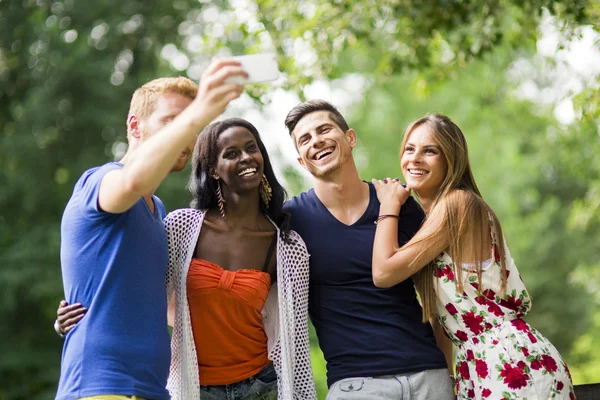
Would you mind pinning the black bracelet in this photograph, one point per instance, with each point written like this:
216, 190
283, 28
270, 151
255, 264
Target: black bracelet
384, 216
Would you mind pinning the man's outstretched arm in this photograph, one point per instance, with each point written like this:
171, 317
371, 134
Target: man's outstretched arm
149, 165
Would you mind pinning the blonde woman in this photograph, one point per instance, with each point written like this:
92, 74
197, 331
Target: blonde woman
463, 271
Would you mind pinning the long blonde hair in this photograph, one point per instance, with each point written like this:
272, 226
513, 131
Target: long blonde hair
466, 217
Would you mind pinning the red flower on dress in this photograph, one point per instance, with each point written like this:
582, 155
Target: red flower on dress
462, 369
461, 335
475, 340
489, 293
525, 351
449, 273
481, 300
496, 253
568, 372
470, 355
486, 393
495, 342
531, 337
481, 368
513, 303
560, 386
439, 272
451, 309
571, 396
475, 285
473, 322
514, 378
535, 364
445, 271
471, 394
549, 363
520, 325
495, 309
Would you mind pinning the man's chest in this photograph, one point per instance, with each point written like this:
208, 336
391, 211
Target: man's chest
341, 255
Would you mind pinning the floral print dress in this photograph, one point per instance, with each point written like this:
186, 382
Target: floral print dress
499, 355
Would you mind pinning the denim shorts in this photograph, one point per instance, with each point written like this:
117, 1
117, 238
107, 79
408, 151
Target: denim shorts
262, 386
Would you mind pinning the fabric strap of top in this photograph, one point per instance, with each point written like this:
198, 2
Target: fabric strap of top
270, 253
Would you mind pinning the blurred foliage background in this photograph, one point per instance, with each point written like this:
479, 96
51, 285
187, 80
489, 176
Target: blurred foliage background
68, 69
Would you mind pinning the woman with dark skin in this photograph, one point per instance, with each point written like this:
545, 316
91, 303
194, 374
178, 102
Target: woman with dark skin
244, 236
226, 328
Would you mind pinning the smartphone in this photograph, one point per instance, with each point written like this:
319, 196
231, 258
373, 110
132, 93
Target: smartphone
259, 67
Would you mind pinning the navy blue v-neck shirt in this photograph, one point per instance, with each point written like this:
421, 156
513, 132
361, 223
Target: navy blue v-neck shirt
362, 330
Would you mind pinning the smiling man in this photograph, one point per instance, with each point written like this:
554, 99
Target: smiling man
373, 340
114, 247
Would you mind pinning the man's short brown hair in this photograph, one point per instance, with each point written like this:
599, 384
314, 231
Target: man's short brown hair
311, 106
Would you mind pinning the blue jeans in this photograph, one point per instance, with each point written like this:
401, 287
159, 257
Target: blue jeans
262, 386
433, 384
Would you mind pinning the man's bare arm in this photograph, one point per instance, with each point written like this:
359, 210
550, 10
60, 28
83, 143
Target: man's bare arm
153, 160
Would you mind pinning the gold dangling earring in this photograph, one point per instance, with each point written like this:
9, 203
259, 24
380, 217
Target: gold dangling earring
220, 198
266, 193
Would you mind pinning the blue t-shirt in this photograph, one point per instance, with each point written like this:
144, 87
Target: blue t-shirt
114, 264
363, 330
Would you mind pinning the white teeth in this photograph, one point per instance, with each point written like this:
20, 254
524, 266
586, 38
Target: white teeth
417, 172
323, 152
247, 172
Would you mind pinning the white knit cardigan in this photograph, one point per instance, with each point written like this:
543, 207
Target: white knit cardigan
285, 313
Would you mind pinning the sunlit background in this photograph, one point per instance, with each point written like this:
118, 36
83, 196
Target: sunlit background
520, 80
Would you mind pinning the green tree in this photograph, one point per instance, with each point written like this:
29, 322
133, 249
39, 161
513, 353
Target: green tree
68, 69
388, 37
584, 166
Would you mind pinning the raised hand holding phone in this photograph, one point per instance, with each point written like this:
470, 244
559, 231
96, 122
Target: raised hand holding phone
259, 67
216, 89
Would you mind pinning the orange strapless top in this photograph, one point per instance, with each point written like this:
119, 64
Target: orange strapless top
227, 324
